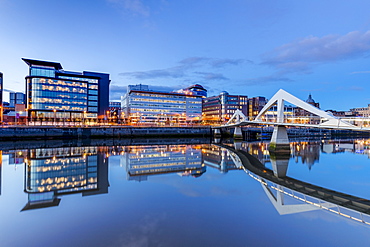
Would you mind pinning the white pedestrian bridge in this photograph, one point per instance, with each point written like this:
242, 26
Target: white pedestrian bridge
317, 119
314, 118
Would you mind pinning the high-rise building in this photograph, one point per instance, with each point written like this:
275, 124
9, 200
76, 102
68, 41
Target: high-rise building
160, 108
219, 109
53, 94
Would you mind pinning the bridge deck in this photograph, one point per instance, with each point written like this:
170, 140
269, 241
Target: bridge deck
321, 126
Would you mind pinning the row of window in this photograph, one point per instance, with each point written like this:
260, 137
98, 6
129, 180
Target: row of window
158, 100
95, 81
57, 82
36, 100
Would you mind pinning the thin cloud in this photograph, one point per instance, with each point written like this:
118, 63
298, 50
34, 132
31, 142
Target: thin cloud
218, 63
351, 88
115, 92
191, 61
133, 7
185, 69
264, 80
8, 90
211, 76
175, 72
360, 72
302, 55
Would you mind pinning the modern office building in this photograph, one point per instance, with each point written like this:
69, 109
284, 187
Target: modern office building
219, 109
53, 94
255, 105
160, 108
16, 99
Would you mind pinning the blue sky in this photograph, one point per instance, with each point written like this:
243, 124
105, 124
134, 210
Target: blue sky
249, 47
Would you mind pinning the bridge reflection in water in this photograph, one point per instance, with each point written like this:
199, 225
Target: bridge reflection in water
279, 187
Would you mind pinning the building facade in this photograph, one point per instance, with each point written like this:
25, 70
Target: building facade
55, 95
255, 105
160, 108
219, 109
361, 111
16, 99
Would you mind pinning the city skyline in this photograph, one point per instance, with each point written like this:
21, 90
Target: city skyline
251, 48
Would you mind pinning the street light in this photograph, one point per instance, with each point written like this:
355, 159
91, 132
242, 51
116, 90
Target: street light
83, 118
107, 117
55, 115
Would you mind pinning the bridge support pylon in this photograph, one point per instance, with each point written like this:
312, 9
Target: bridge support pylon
279, 141
238, 135
279, 162
217, 133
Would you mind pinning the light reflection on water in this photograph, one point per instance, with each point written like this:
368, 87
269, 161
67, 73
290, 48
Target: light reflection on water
178, 195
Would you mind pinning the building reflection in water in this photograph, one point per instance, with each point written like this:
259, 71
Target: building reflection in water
144, 161
53, 172
218, 158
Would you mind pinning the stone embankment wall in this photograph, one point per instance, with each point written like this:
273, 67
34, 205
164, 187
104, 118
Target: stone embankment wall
44, 132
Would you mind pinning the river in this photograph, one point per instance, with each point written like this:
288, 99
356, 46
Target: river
180, 193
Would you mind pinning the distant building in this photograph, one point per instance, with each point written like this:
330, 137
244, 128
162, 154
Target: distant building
55, 94
1, 89
255, 105
195, 89
115, 111
160, 108
301, 112
221, 108
341, 113
361, 111
16, 99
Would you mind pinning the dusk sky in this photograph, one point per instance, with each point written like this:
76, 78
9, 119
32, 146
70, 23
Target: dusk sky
248, 47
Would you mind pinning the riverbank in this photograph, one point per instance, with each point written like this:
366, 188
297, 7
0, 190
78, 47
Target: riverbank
52, 132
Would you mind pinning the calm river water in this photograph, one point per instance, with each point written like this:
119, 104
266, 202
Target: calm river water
179, 193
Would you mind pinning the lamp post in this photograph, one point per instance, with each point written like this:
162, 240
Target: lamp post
26, 116
83, 118
55, 115
107, 117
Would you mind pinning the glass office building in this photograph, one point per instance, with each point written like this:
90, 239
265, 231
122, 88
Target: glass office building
53, 94
160, 108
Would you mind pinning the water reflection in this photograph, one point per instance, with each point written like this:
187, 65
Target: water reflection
53, 172
144, 161
303, 196
50, 173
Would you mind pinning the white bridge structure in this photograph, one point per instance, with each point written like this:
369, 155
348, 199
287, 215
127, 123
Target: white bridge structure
317, 119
